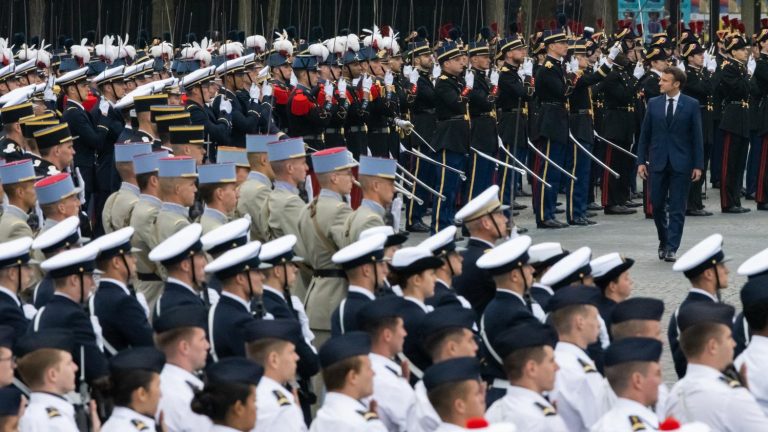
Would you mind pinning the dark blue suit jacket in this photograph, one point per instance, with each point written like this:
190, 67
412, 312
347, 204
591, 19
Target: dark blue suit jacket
444, 296
309, 362
503, 312
175, 295
227, 333
43, 292
681, 364
63, 313
11, 314
680, 144
123, 321
352, 305
474, 283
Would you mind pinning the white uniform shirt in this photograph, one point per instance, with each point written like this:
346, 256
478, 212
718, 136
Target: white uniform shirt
276, 408
579, 388
498, 427
341, 413
176, 386
221, 428
528, 410
393, 394
627, 416
706, 395
755, 357
125, 419
661, 400
422, 417
48, 413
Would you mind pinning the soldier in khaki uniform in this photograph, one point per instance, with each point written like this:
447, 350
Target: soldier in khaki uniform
116, 213
283, 207
177, 190
237, 156
148, 274
321, 229
377, 180
255, 190
218, 191
18, 184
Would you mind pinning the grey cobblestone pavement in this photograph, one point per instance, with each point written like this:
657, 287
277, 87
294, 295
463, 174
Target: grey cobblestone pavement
635, 237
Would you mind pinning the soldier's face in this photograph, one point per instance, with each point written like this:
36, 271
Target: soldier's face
582, 59
344, 180
66, 371
130, 85
482, 62
425, 61
457, 263
474, 399
286, 361
696, 60
398, 336
186, 190
517, 55
7, 364
249, 417
453, 66
741, 54
229, 197
545, 371
560, 48
151, 395
65, 153
70, 206
174, 99
197, 152
396, 63
590, 323
29, 194
198, 346
355, 69
119, 88
649, 383
298, 169
465, 346
364, 378
257, 283
724, 347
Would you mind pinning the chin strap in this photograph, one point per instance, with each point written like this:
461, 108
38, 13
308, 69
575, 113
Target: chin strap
202, 286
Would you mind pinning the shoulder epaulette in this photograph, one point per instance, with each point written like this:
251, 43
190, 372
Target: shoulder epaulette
588, 368
281, 399
139, 425
70, 108
52, 412
443, 77
548, 411
504, 69
732, 383
548, 64
636, 423
368, 415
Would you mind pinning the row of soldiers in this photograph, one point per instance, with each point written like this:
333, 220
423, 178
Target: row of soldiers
557, 343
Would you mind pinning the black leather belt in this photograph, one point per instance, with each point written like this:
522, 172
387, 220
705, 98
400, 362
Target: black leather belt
330, 273
456, 117
486, 114
426, 111
148, 277
355, 129
313, 137
621, 108
384, 130
581, 111
513, 110
339, 131
557, 104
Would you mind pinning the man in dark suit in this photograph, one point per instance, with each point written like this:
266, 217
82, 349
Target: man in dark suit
671, 145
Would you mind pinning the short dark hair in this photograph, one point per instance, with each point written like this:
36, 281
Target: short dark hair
443, 396
515, 362
208, 190
124, 383
143, 179
677, 74
435, 341
619, 375
335, 375
694, 339
757, 315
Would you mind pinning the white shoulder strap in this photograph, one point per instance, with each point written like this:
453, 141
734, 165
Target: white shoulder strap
36, 324
341, 315
92, 310
487, 343
212, 336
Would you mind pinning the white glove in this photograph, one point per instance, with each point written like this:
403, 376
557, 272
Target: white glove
266, 89
639, 70
81, 183
367, 84
527, 67
494, 78
574, 64
436, 71
388, 78
681, 66
407, 70
97, 331
225, 105
254, 92
403, 124
48, 95
328, 90
601, 60
355, 81
614, 51
413, 76
469, 78
103, 106
264, 72
712, 65
751, 64
342, 88
294, 80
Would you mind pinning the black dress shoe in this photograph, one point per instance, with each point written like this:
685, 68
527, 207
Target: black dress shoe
515, 213
517, 206
619, 210
662, 251
736, 210
594, 206
750, 197
699, 212
590, 214
558, 204
559, 211
579, 222
670, 256
418, 227
632, 204
522, 193
551, 224
636, 195
521, 230
716, 185
762, 206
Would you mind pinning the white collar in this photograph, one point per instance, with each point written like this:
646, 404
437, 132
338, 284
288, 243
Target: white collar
701, 291
378, 359
568, 347
221, 428
360, 290
697, 370
56, 401
418, 302
636, 408
676, 97
76, 103
11, 294
116, 282
129, 414
266, 381
517, 392
340, 399
182, 374
184, 284
508, 291
237, 299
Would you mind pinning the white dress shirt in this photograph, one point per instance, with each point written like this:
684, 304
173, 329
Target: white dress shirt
579, 388
627, 416
706, 395
176, 386
341, 413
393, 394
126, 419
48, 413
675, 99
755, 356
527, 410
276, 409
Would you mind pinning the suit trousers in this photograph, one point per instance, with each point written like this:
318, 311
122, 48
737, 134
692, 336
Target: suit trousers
694, 195
576, 192
480, 175
734, 161
424, 171
449, 185
616, 190
669, 186
507, 178
716, 157
753, 161
545, 198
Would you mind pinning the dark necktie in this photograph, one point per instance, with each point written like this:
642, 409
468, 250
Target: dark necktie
670, 105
